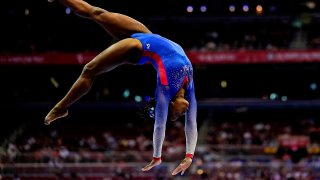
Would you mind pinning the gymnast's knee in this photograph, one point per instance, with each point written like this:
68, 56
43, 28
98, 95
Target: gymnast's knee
86, 10
88, 72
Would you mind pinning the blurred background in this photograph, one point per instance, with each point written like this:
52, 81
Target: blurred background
256, 71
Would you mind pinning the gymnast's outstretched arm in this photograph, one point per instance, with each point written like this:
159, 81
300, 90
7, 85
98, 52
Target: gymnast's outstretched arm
191, 131
161, 113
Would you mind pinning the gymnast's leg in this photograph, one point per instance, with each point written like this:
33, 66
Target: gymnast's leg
124, 51
118, 25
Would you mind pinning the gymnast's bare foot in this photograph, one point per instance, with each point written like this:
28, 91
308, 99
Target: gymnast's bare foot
54, 114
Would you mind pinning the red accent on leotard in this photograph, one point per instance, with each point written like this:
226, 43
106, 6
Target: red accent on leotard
157, 158
189, 155
161, 69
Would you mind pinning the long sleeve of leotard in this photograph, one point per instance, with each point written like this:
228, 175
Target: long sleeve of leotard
161, 113
191, 131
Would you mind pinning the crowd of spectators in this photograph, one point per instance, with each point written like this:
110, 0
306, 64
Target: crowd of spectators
242, 146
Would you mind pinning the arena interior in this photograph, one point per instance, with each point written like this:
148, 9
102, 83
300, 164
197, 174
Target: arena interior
256, 73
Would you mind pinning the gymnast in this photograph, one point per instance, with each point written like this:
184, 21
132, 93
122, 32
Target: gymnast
137, 45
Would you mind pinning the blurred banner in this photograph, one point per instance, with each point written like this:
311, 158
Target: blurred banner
245, 57
197, 57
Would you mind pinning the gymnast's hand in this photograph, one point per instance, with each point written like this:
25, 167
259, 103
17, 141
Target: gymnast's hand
183, 166
152, 164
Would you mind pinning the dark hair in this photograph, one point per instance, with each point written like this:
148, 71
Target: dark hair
148, 109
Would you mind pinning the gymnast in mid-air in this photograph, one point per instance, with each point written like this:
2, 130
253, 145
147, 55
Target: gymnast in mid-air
137, 45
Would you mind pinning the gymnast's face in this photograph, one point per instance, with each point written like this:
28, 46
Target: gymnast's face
178, 108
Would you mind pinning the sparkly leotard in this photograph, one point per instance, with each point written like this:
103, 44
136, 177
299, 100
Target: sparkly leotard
174, 70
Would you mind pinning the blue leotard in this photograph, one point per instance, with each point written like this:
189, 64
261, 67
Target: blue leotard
174, 70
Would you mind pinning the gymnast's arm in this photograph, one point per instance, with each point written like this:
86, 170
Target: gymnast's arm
161, 114
191, 131
191, 126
